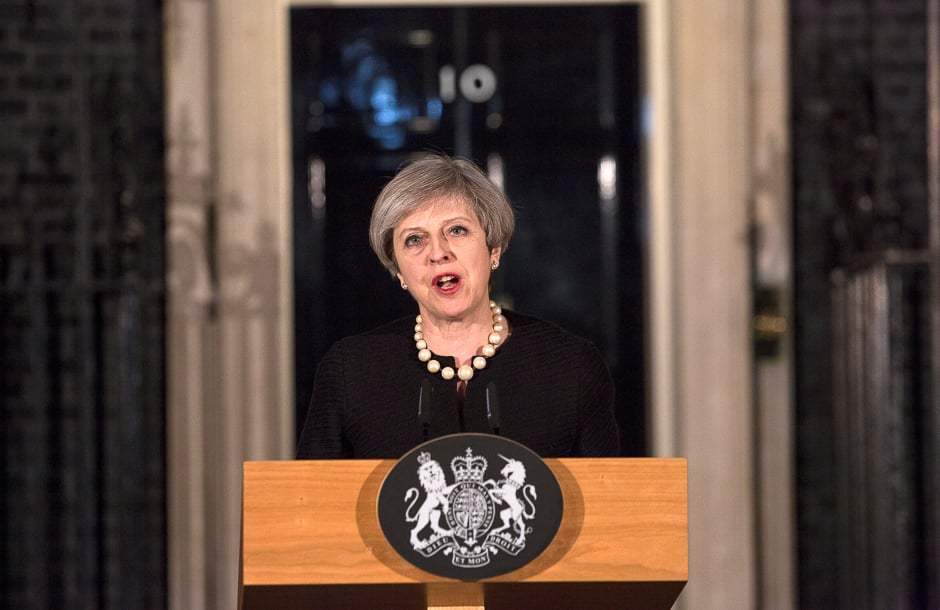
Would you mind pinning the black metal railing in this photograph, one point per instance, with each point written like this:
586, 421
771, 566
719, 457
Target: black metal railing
884, 410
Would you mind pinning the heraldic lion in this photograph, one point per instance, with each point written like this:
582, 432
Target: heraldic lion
431, 477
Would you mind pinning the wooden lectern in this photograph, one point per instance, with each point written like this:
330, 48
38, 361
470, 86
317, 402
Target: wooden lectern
311, 539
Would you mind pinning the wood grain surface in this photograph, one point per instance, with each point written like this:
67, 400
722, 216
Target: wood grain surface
311, 538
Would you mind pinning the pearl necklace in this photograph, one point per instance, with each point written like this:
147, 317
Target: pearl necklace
465, 372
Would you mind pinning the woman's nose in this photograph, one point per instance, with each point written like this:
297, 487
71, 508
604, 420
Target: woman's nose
440, 249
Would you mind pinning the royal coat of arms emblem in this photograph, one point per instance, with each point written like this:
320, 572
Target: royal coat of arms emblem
473, 518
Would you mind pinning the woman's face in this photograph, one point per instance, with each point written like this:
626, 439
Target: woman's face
442, 256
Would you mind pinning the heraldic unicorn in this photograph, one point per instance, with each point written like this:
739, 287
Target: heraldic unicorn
458, 518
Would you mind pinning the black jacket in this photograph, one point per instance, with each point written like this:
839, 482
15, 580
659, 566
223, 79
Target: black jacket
555, 394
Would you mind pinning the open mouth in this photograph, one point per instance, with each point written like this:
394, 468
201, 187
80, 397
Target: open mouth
447, 282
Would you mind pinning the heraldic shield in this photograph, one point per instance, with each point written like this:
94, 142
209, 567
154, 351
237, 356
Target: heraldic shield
470, 506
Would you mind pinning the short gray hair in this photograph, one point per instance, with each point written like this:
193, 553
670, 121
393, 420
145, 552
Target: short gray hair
439, 177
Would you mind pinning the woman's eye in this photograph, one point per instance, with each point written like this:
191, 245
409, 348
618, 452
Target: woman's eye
458, 230
412, 240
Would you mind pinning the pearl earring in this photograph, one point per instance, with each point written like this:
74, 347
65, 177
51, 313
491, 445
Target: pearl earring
495, 265
404, 286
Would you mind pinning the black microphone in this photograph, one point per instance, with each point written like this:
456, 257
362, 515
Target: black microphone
492, 408
424, 407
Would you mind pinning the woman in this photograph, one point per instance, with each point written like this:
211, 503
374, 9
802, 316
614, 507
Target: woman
440, 227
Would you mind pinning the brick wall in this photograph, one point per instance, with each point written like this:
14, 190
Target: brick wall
81, 304
860, 173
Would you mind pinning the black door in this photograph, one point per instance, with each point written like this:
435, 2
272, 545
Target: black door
547, 99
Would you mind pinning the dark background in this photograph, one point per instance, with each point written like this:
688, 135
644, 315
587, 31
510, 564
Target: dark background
82, 234
82, 203
574, 259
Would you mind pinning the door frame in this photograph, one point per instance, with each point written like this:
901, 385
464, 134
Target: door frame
713, 110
